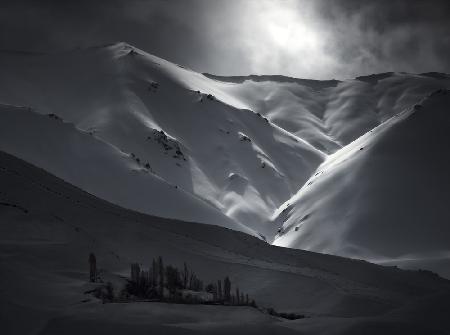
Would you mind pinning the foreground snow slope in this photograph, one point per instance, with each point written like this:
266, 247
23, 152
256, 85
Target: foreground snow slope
48, 227
164, 114
99, 168
383, 197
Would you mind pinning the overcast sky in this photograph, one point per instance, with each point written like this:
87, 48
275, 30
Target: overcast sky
321, 39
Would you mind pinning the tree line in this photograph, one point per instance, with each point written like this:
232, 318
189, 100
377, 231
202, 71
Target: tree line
168, 283
162, 282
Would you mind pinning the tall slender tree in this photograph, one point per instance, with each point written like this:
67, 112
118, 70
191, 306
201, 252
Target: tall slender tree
219, 290
185, 276
92, 268
135, 272
173, 279
161, 276
154, 273
227, 289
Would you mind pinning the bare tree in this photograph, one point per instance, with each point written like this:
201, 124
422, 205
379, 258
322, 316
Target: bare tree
227, 289
185, 276
219, 290
161, 276
92, 268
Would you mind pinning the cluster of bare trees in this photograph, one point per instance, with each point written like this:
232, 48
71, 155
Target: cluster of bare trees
160, 281
168, 283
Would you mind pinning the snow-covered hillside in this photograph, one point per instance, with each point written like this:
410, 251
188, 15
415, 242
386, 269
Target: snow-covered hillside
383, 197
170, 117
48, 228
99, 168
153, 136
330, 114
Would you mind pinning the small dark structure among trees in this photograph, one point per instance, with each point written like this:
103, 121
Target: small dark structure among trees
54, 116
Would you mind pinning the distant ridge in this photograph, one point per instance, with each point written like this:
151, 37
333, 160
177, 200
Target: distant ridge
276, 78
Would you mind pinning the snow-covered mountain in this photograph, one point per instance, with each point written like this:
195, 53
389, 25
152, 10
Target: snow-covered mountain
155, 137
99, 168
171, 118
48, 227
383, 197
331, 114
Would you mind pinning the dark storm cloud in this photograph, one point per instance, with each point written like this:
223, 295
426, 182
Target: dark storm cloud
54, 25
304, 38
396, 35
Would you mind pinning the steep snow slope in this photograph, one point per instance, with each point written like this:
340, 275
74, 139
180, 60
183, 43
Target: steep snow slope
99, 168
48, 227
166, 115
330, 114
383, 197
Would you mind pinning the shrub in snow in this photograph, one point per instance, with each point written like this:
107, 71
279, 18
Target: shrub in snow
105, 292
109, 294
153, 87
289, 316
245, 138
54, 116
